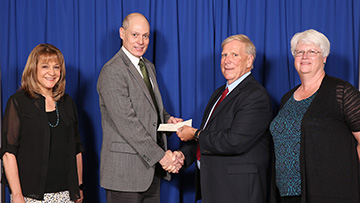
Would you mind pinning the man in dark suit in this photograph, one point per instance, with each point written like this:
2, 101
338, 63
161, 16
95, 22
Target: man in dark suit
131, 110
232, 141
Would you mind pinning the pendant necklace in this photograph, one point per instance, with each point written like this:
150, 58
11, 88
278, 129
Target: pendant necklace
57, 117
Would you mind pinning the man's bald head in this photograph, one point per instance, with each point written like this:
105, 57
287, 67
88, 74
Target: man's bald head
132, 17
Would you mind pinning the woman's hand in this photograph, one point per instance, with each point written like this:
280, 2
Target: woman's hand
17, 198
81, 197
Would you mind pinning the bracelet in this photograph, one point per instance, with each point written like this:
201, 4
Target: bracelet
82, 186
196, 135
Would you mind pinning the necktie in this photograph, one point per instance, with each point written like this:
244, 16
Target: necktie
145, 74
147, 82
223, 95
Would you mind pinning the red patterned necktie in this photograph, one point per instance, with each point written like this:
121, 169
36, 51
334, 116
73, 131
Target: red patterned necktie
223, 95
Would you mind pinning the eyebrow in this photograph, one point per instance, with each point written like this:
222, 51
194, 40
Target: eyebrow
138, 33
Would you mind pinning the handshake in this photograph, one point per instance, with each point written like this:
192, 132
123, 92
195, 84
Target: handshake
172, 161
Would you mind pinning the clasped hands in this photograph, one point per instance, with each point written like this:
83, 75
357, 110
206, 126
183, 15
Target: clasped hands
172, 161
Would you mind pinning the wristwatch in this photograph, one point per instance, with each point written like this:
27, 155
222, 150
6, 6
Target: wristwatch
196, 135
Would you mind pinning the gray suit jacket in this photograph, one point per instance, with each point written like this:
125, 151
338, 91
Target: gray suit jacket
129, 150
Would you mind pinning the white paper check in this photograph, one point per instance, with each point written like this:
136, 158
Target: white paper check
169, 127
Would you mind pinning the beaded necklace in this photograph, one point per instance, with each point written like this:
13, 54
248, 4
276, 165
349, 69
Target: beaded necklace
57, 117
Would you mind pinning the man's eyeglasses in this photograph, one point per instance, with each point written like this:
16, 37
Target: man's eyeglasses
309, 53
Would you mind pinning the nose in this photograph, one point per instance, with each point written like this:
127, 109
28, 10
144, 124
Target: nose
227, 59
52, 71
140, 40
305, 55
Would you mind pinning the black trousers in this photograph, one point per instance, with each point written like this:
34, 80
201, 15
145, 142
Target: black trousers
152, 195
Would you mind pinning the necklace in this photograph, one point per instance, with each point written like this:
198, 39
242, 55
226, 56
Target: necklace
57, 117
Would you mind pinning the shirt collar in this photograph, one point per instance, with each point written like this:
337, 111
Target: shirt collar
237, 82
134, 60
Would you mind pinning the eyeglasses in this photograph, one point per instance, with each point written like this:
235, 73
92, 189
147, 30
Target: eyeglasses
309, 53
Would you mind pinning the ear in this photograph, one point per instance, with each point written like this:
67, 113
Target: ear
250, 60
324, 60
122, 32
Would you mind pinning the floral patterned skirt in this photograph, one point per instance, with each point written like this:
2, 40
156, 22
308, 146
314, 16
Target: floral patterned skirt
59, 197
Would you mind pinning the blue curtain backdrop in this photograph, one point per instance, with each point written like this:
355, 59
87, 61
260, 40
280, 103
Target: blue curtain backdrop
185, 47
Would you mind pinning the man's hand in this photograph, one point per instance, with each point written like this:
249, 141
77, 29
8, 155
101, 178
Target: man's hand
174, 120
186, 133
172, 161
178, 157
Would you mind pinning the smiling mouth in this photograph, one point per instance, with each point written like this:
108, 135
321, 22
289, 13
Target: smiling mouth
50, 79
227, 66
139, 48
305, 63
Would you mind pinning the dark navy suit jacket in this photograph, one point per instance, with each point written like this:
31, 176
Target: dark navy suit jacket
234, 146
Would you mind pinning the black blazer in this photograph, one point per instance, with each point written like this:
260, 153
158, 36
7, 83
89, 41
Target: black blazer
234, 146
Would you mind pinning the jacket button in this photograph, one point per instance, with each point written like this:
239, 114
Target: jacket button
146, 158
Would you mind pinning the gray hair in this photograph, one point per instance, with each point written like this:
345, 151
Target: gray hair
314, 37
249, 46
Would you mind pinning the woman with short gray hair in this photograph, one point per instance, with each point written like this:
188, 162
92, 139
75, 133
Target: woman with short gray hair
317, 131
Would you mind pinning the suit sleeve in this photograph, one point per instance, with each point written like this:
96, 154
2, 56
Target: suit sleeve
189, 151
238, 128
113, 89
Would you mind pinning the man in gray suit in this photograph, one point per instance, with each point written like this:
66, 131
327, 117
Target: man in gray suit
133, 153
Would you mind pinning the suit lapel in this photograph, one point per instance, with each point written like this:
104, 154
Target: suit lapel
211, 103
135, 73
152, 76
228, 99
